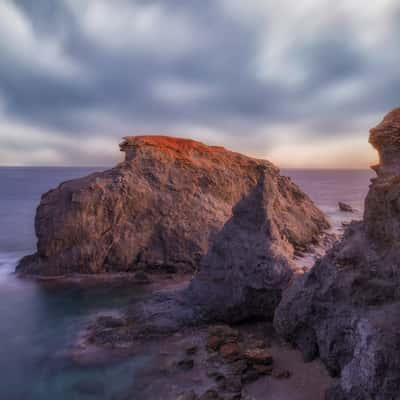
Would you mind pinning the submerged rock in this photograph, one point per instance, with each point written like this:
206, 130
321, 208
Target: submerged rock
161, 208
346, 310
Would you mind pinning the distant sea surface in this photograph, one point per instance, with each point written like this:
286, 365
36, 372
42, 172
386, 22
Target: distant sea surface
37, 323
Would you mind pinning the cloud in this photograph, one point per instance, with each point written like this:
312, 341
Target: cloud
135, 26
228, 72
24, 50
25, 145
172, 91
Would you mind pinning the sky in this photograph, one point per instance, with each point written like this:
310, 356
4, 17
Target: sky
299, 83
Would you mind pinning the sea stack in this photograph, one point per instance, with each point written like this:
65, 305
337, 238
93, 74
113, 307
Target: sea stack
161, 209
346, 310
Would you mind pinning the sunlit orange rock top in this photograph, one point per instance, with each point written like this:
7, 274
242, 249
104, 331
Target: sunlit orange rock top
185, 150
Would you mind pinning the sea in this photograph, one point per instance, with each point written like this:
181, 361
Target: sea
39, 323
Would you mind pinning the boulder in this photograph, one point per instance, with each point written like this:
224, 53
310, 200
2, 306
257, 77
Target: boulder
346, 310
160, 209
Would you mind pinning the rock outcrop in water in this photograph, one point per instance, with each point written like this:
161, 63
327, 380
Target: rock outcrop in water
161, 209
345, 207
346, 310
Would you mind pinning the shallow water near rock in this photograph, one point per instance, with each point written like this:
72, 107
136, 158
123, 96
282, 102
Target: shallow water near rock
38, 326
39, 322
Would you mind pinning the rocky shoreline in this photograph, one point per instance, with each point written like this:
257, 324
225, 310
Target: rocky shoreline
222, 242
208, 361
346, 309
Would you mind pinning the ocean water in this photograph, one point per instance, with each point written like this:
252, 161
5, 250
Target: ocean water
327, 187
38, 323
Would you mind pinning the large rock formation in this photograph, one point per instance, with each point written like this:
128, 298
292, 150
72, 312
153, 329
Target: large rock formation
346, 310
249, 264
161, 208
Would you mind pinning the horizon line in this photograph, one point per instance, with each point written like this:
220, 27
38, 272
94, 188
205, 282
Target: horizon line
111, 166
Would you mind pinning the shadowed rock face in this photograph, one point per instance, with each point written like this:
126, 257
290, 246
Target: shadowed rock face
159, 209
346, 310
249, 264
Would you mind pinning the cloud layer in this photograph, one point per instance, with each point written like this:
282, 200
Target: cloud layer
298, 83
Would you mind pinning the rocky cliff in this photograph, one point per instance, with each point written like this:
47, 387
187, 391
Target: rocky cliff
346, 310
161, 209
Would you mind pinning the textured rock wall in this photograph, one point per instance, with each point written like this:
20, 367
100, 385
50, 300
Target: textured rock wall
346, 310
249, 264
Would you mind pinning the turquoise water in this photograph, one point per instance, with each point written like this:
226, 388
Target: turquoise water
38, 324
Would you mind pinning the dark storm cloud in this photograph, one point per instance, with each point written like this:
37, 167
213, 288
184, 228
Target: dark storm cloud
121, 80
90, 67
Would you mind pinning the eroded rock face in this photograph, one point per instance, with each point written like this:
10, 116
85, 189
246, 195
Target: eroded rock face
249, 264
346, 310
160, 208
385, 138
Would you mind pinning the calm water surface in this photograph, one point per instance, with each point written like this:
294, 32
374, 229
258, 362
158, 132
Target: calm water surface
327, 187
38, 323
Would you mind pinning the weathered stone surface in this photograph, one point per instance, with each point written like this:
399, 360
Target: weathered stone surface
250, 262
258, 356
346, 310
281, 374
263, 369
186, 364
188, 396
230, 351
214, 342
225, 332
191, 350
385, 139
162, 208
210, 395
238, 361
